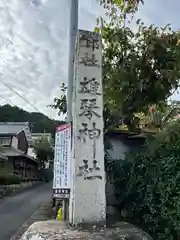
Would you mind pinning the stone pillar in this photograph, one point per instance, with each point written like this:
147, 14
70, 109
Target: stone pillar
88, 201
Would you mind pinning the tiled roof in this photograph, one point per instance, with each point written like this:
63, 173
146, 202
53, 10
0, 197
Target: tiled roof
11, 127
14, 128
10, 152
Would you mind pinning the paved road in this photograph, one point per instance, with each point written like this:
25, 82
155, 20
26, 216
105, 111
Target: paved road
16, 210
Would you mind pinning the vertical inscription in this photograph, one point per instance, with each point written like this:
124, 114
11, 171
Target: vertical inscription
89, 90
90, 86
88, 108
91, 41
89, 60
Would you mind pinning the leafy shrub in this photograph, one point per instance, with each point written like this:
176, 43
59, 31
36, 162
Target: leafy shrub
9, 179
148, 184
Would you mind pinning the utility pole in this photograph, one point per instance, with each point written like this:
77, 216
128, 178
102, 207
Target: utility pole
72, 49
74, 4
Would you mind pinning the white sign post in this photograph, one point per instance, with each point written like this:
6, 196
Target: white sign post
62, 158
87, 200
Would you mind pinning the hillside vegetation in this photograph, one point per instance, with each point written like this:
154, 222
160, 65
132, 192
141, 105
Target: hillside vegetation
38, 121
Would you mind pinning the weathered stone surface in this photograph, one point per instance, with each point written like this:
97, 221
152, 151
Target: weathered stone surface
130, 231
52, 230
87, 198
55, 230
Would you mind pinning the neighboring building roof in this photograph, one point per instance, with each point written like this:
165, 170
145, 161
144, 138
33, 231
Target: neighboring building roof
13, 128
12, 152
126, 134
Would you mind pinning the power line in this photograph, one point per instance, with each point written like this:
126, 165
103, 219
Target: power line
17, 77
5, 84
8, 101
10, 69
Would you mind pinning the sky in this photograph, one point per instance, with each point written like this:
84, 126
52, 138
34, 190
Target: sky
34, 45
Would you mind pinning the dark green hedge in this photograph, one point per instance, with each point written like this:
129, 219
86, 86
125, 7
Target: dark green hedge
147, 185
8, 179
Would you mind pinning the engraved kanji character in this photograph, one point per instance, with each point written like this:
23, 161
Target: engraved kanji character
89, 61
90, 86
83, 169
88, 107
89, 42
95, 168
92, 133
83, 132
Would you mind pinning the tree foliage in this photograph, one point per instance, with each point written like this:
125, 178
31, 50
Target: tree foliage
60, 104
139, 69
156, 117
124, 6
43, 149
147, 184
39, 122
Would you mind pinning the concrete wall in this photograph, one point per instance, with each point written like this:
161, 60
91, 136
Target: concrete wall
119, 147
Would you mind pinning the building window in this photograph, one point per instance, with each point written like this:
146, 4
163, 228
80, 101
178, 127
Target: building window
5, 141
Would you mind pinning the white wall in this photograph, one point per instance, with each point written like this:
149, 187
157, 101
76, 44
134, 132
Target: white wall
14, 142
118, 149
31, 152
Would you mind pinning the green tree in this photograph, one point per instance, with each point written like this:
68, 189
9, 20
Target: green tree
111, 6
159, 117
60, 104
139, 69
38, 122
147, 184
125, 6
43, 149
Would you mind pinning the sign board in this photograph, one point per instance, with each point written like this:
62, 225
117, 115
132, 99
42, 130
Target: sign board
62, 158
61, 193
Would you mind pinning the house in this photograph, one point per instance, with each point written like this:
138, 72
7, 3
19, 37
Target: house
14, 139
